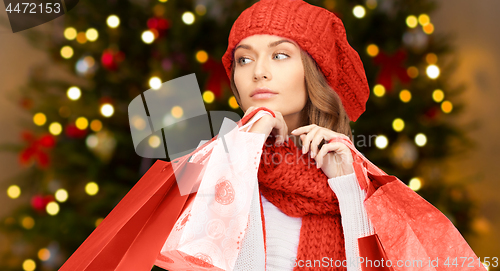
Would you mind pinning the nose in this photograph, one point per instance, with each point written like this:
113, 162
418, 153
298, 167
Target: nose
261, 71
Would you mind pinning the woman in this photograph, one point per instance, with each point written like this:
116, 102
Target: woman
269, 62
293, 58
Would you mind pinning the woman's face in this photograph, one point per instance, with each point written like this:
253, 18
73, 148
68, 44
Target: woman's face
274, 63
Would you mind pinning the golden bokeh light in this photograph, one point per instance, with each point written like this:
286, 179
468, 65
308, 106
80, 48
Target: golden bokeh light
91, 188
372, 50
447, 107
29, 265
411, 21
82, 123
438, 95
405, 95
379, 90
39, 119
398, 125
14, 191
55, 128
232, 102
424, 19
201, 56
96, 125
67, 52
208, 96
70, 33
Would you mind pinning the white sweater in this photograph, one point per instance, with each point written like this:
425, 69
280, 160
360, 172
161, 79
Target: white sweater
283, 231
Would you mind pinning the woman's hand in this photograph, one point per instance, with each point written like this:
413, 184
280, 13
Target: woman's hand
335, 159
267, 124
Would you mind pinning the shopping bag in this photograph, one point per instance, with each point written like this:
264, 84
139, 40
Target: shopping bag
413, 234
130, 237
209, 233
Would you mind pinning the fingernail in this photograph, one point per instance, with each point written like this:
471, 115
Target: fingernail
293, 131
317, 165
312, 154
303, 149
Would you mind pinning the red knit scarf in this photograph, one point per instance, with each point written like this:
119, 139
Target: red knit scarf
290, 180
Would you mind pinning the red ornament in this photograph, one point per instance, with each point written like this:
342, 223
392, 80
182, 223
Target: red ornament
217, 76
111, 58
74, 132
36, 149
39, 202
158, 26
391, 66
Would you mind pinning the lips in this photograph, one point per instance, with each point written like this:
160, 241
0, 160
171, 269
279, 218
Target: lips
262, 90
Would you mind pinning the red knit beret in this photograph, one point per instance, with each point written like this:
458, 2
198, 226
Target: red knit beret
318, 32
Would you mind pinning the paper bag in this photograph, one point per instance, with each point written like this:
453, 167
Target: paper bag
209, 233
130, 237
413, 233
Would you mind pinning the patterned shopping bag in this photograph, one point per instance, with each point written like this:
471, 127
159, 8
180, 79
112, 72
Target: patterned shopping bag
209, 233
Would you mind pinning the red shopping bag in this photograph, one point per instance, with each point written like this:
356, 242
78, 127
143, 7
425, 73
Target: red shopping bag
413, 234
130, 237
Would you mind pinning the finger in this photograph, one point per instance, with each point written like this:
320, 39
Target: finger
309, 137
318, 138
303, 129
341, 152
335, 134
282, 129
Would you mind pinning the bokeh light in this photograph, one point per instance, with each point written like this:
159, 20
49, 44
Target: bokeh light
188, 17
405, 95
91, 188
39, 119
74, 93
359, 11
415, 184
420, 139
438, 95
113, 21
208, 96
67, 52
379, 90
55, 128
52, 208
70, 33
13, 191
107, 110
411, 21
398, 125
61, 195
381, 142
232, 102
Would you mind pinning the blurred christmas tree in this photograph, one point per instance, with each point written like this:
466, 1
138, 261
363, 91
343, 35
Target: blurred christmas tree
78, 152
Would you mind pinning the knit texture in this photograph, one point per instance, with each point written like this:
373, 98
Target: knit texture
291, 182
317, 31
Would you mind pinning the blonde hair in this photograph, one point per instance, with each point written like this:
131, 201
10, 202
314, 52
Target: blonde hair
323, 107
